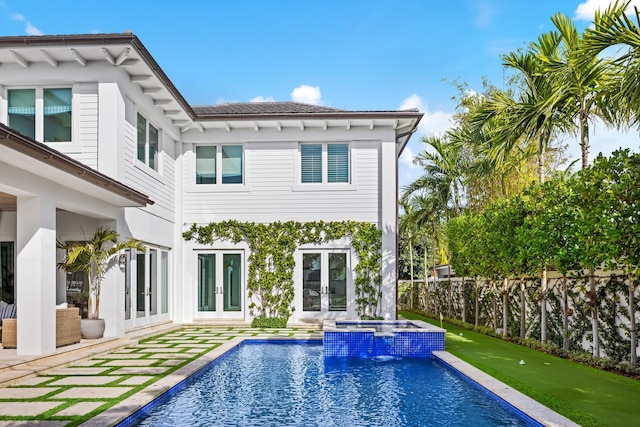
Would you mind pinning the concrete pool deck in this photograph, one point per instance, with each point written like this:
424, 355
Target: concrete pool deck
110, 379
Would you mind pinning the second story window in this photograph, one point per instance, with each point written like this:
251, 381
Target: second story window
24, 113
327, 162
221, 164
206, 164
147, 143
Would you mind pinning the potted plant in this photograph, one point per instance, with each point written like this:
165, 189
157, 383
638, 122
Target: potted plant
95, 257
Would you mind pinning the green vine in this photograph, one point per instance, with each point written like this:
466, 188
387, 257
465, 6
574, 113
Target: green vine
271, 290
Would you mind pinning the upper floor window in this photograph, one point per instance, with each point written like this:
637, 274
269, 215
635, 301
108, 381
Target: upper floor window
224, 161
147, 143
327, 162
24, 113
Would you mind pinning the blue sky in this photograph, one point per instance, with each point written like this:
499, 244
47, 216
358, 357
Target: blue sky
350, 54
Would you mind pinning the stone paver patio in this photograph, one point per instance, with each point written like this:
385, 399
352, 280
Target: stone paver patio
102, 389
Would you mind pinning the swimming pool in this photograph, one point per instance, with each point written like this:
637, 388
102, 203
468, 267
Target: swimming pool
293, 384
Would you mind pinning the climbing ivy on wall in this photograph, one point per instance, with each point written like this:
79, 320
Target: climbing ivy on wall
271, 290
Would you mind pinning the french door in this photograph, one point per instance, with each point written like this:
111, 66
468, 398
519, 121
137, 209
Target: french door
146, 286
324, 283
220, 285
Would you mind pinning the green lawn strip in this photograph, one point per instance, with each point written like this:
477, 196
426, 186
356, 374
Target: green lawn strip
586, 395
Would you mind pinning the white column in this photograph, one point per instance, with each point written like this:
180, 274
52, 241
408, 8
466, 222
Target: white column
112, 291
389, 221
36, 275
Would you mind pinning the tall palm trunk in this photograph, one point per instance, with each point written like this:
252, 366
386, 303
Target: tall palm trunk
594, 314
476, 289
426, 275
543, 306
584, 137
449, 312
565, 316
456, 198
523, 309
464, 301
543, 275
494, 301
505, 306
632, 320
412, 288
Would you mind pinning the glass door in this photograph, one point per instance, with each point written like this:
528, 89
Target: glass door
311, 282
7, 268
324, 282
146, 295
337, 281
220, 285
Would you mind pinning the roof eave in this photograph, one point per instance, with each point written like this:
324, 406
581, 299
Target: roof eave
103, 39
45, 154
314, 116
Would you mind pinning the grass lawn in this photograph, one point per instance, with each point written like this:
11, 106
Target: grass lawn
586, 395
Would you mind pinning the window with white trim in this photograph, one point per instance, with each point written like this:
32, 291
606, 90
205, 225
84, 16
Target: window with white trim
219, 164
47, 121
324, 163
147, 143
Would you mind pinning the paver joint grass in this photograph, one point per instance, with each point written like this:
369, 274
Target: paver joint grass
68, 405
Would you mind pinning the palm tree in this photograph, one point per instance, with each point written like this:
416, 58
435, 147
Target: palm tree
96, 257
611, 28
581, 80
442, 161
426, 215
409, 230
536, 116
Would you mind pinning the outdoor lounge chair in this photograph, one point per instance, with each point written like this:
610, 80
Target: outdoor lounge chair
67, 328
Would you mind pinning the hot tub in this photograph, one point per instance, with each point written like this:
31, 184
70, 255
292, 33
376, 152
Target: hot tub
379, 338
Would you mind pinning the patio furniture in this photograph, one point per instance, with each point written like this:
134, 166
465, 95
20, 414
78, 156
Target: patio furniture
67, 328
7, 311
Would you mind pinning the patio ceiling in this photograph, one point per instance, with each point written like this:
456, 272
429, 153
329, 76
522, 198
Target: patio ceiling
7, 202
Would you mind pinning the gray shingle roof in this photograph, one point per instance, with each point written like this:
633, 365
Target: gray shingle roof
262, 108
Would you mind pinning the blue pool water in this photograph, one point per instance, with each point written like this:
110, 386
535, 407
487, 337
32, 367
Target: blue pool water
275, 384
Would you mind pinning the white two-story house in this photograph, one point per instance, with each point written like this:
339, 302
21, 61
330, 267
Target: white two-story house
93, 133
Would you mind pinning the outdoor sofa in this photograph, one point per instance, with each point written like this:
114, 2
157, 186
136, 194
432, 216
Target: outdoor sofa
67, 328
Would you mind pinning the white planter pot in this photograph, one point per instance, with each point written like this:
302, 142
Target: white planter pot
92, 329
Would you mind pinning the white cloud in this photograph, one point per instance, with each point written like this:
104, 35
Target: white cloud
32, 30
307, 95
406, 159
261, 98
413, 101
586, 10
29, 28
407, 170
433, 122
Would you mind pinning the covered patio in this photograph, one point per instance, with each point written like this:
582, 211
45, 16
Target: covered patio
45, 196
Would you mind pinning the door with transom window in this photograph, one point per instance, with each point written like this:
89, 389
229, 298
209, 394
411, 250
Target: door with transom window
325, 290
220, 285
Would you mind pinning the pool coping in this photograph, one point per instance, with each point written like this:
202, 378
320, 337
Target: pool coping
129, 406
